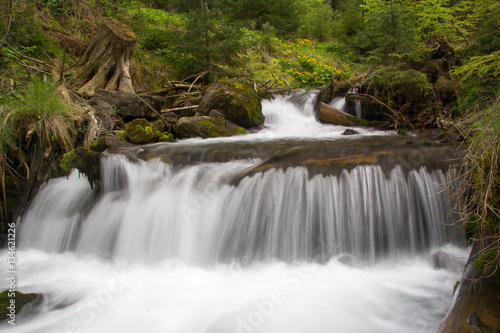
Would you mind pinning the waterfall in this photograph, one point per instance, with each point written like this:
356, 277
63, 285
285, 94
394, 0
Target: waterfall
293, 228
150, 211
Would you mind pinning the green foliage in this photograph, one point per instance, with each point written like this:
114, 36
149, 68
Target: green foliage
400, 86
489, 263
209, 43
480, 66
36, 125
59, 7
157, 29
38, 100
317, 22
479, 72
479, 189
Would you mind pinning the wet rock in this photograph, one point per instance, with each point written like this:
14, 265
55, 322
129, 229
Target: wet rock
215, 114
127, 105
237, 102
99, 145
106, 114
448, 137
442, 260
350, 132
477, 303
206, 127
474, 321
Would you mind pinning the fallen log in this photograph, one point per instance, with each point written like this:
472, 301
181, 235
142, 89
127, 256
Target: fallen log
330, 115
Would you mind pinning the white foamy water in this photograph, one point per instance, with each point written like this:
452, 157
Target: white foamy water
87, 294
291, 117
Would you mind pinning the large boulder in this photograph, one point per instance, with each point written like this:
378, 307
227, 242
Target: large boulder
238, 102
128, 105
206, 127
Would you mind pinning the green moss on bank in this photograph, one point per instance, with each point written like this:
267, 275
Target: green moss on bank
20, 300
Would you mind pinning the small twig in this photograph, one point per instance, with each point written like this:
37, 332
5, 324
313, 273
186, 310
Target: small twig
196, 80
184, 80
35, 68
185, 94
158, 113
30, 58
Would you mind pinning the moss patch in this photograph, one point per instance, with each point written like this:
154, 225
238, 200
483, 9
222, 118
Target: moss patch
488, 263
20, 301
141, 131
86, 162
99, 145
166, 137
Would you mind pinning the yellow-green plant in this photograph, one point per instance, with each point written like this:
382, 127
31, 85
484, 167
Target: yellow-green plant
36, 125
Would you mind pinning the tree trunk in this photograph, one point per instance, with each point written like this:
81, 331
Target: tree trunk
107, 62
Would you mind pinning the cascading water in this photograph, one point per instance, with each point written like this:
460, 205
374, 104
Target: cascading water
237, 242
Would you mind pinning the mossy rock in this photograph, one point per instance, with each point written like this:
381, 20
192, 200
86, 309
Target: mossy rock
141, 131
238, 102
86, 162
99, 145
21, 300
206, 127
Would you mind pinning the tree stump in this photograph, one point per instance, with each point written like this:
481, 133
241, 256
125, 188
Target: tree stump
107, 62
